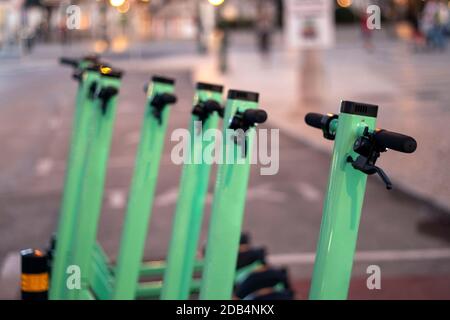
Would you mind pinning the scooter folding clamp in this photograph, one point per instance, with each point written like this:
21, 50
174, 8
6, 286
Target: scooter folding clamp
205, 108
105, 94
159, 102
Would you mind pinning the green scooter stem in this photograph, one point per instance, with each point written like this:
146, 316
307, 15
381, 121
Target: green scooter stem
74, 174
191, 198
142, 192
228, 205
89, 207
341, 213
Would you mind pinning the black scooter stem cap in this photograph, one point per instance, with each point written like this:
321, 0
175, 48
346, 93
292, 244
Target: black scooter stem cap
163, 80
243, 95
360, 109
209, 87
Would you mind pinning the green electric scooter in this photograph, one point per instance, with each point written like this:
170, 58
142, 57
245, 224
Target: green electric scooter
357, 146
101, 278
181, 259
241, 117
92, 185
142, 190
88, 79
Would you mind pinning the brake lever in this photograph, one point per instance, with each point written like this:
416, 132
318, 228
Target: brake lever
362, 164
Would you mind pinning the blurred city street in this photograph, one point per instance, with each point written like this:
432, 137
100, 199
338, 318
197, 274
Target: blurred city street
408, 237
404, 231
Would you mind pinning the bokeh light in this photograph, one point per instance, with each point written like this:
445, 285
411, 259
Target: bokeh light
344, 3
216, 2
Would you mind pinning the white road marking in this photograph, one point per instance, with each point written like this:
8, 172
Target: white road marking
116, 199
308, 192
44, 167
265, 192
114, 163
167, 198
366, 256
11, 265
261, 192
10, 276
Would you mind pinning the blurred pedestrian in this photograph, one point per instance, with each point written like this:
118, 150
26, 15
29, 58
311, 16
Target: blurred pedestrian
264, 26
434, 21
442, 22
223, 34
366, 33
417, 36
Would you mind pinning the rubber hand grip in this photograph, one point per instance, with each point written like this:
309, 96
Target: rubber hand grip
314, 119
69, 61
255, 116
395, 141
169, 98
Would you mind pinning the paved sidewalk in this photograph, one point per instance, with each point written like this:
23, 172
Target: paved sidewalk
412, 91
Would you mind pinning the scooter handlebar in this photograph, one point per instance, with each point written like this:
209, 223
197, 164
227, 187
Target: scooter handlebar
255, 116
69, 61
314, 119
395, 141
169, 98
384, 138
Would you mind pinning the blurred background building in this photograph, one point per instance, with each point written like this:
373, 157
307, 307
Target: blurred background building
38, 21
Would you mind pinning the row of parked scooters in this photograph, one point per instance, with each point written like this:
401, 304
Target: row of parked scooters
229, 266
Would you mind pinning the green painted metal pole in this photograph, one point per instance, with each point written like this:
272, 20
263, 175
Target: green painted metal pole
191, 196
148, 268
101, 281
74, 174
342, 209
229, 203
89, 207
142, 189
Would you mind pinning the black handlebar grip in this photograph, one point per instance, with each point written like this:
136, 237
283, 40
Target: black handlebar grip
160, 100
212, 105
69, 61
169, 98
255, 116
395, 141
314, 119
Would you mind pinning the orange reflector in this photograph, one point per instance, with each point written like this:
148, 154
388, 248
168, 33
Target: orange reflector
38, 253
34, 282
